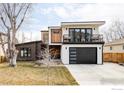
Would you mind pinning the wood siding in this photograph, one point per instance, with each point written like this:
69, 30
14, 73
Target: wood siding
56, 35
35, 50
113, 57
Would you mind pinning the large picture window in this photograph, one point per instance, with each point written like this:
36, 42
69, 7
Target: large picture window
80, 34
26, 52
88, 34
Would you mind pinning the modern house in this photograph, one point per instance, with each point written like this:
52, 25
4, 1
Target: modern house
114, 51
76, 42
29, 51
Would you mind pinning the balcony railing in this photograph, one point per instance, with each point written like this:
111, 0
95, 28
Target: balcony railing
95, 38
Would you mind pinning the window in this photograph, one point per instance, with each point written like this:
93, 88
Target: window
77, 35
83, 35
88, 34
25, 52
71, 33
123, 47
110, 47
80, 34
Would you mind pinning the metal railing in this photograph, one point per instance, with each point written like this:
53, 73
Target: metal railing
94, 38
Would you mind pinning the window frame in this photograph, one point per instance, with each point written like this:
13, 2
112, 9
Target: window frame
25, 52
85, 31
111, 48
123, 47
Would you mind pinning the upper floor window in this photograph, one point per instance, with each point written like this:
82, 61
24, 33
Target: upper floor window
110, 47
80, 34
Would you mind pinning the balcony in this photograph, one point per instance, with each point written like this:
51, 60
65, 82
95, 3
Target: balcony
94, 39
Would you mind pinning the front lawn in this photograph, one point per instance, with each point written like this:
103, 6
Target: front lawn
26, 74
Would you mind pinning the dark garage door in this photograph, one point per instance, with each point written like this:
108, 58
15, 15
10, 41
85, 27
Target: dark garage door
83, 55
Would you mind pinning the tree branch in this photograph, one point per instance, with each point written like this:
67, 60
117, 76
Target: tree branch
4, 22
7, 12
23, 17
21, 7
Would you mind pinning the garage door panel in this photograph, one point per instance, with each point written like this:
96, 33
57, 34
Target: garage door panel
84, 55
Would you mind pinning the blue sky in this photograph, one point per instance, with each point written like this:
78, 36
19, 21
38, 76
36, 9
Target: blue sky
49, 14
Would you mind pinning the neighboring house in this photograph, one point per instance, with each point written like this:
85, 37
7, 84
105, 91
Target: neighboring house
29, 51
114, 51
76, 42
3, 46
3, 40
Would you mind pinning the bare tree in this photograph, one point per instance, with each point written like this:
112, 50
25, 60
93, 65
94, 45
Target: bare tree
106, 36
12, 16
43, 56
115, 30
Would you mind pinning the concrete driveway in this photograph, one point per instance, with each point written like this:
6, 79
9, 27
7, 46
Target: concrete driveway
106, 74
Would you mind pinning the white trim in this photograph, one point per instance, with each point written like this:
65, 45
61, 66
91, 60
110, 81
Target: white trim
65, 52
55, 44
83, 23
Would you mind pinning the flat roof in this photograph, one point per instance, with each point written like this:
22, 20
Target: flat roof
83, 23
44, 31
29, 42
54, 27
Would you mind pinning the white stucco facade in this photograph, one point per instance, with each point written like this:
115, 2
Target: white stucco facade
65, 51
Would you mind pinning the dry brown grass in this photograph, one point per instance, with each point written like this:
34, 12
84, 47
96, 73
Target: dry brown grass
26, 74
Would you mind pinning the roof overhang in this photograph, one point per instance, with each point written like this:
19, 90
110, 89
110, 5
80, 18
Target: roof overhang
29, 42
96, 23
54, 27
44, 30
113, 44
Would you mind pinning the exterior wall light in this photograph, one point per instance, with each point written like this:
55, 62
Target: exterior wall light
65, 47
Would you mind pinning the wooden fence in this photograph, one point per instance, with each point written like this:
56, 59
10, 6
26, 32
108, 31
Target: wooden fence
113, 57
2, 59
